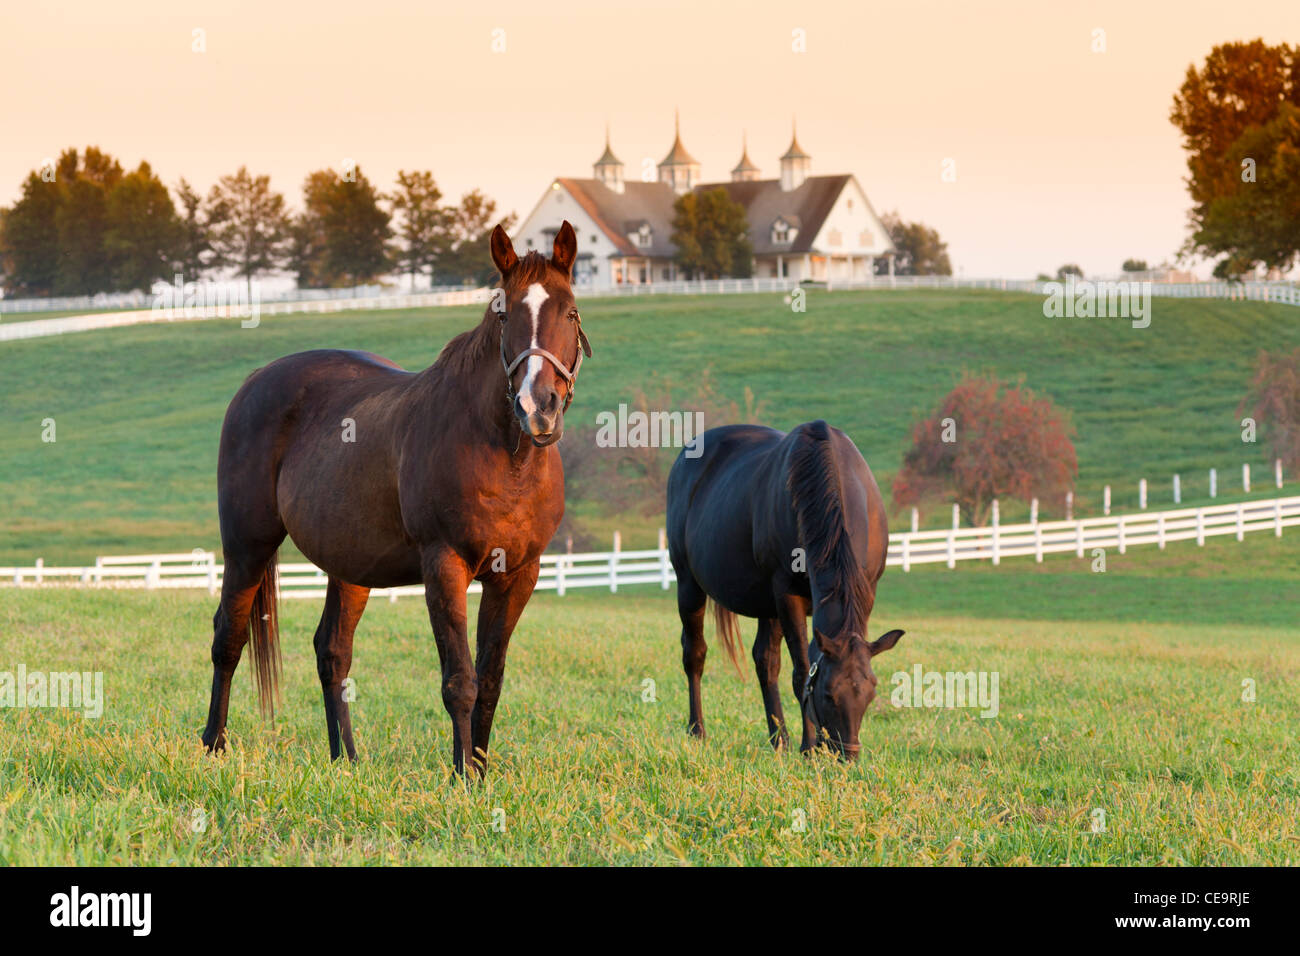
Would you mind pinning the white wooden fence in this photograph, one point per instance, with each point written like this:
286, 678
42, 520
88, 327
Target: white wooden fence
618, 568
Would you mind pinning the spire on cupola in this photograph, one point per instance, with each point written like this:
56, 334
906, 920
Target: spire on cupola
795, 163
609, 168
745, 170
679, 168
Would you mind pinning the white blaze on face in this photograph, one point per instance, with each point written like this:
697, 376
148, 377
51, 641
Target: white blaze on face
534, 299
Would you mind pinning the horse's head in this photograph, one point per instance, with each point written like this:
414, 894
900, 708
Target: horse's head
542, 342
841, 684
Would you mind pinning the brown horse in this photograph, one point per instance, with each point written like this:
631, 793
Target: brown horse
384, 477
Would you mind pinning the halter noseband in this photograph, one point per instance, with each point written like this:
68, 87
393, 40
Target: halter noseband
808, 702
570, 376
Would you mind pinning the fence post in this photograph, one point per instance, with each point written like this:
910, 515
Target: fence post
1033, 511
1142, 493
1214, 483
956, 517
40, 563
663, 558
152, 576
1245, 478
99, 563
997, 555
1105, 500
1200, 527
1178, 491
1069, 506
613, 563
916, 521
212, 573
1277, 472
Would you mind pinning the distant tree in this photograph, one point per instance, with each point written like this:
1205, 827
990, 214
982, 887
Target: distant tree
29, 239
143, 233
1240, 106
1002, 442
193, 250
1274, 402
711, 233
247, 224
341, 238
918, 250
1069, 269
425, 230
305, 256
84, 267
1134, 265
468, 259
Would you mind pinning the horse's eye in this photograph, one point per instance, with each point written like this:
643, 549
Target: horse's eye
573, 314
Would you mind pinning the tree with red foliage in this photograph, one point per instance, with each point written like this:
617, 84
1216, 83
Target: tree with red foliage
988, 440
1274, 398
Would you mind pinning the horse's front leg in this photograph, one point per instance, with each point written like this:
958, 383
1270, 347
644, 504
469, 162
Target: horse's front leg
446, 578
504, 598
792, 612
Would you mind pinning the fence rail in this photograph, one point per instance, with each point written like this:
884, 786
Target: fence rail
618, 568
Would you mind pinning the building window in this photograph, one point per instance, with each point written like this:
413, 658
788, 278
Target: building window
782, 232
643, 236
666, 272
834, 238
850, 205
594, 239
530, 243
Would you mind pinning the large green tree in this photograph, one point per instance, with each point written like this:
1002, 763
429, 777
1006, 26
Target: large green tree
341, 236
248, 225
84, 266
711, 233
918, 250
29, 239
143, 237
1237, 114
193, 250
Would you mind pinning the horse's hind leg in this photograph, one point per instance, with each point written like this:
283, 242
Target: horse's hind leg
244, 575
344, 604
690, 606
767, 664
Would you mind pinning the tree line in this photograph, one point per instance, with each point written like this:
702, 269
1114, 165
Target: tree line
84, 225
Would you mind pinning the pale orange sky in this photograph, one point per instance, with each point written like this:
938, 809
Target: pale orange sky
1061, 154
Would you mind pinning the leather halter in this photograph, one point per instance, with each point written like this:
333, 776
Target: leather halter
808, 703
570, 376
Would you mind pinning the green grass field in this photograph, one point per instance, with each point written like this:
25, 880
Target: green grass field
1119, 692
138, 410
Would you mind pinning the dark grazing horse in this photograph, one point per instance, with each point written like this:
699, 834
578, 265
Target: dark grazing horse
384, 477
773, 525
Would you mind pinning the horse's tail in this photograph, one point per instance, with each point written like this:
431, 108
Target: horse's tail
728, 632
264, 623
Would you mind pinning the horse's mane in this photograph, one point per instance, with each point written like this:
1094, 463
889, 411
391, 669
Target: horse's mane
814, 485
465, 351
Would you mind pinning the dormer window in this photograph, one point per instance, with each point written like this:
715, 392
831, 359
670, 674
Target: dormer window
642, 235
783, 232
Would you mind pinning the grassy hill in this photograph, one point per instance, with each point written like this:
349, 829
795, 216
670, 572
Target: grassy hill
138, 410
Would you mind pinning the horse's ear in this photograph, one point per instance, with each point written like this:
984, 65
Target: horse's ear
565, 249
884, 642
503, 251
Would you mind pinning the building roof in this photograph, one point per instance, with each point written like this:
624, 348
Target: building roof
795, 151
639, 202
608, 158
677, 156
746, 165
805, 208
